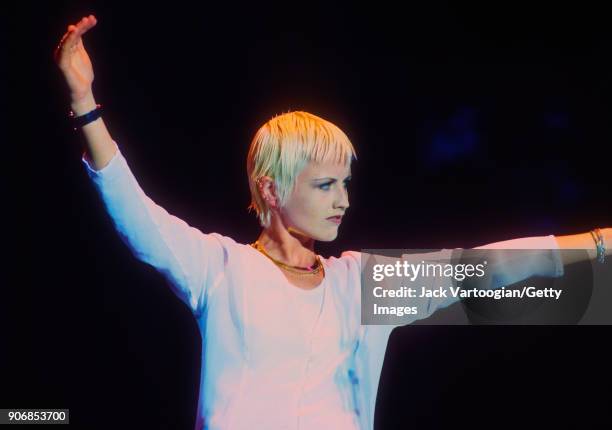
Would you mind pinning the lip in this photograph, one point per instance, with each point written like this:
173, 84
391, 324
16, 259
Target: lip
335, 219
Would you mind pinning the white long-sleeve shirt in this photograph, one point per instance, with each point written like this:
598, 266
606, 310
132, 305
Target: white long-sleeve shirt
273, 356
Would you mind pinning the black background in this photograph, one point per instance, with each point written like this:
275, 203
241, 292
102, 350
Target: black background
473, 123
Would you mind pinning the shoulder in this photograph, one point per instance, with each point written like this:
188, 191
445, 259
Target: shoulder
220, 247
346, 259
226, 241
347, 265
240, 254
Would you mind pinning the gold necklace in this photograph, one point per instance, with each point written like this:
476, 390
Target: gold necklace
310, 271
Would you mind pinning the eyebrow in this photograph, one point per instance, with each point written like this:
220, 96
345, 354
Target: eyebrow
332, 179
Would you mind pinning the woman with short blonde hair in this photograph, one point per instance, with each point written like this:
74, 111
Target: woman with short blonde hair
283, 342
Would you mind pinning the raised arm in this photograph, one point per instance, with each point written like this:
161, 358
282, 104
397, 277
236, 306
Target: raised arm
77, 70
191, 261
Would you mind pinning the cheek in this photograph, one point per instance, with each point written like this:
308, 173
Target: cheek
308, 205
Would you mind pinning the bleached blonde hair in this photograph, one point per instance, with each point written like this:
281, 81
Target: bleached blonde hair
283, 146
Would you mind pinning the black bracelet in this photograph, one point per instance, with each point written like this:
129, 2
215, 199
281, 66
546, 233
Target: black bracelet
80, 121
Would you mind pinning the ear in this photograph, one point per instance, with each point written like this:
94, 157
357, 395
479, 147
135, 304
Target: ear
267, 190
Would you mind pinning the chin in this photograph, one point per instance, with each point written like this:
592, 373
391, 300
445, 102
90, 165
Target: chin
328, 237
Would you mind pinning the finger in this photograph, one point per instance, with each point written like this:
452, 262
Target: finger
73, 30
85, 24
72, 38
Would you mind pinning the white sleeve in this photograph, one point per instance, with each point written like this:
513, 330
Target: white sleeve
189, 260
428, 305
542, 259
509, 268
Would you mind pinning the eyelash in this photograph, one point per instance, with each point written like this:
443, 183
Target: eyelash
329, 183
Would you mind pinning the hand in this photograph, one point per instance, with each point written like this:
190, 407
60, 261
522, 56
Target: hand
73, 61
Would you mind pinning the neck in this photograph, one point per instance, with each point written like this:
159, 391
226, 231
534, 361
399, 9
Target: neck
287, 245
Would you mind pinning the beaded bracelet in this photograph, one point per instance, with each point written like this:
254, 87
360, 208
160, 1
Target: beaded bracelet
80, 121
599, 244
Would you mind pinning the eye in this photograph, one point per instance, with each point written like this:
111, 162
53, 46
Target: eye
325, 187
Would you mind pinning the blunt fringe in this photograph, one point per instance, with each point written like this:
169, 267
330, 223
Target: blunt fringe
283, 146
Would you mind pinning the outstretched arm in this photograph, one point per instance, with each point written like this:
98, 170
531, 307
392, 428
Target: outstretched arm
546, 259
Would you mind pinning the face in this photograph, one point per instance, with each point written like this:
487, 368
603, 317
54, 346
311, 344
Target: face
321, 192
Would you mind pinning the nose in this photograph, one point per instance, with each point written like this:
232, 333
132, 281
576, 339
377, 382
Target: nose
342, 201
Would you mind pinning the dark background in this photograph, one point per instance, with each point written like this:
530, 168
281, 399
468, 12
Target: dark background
473, 123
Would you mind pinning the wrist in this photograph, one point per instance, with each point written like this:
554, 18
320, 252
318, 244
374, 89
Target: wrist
602, 244
607, 235
83, 105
